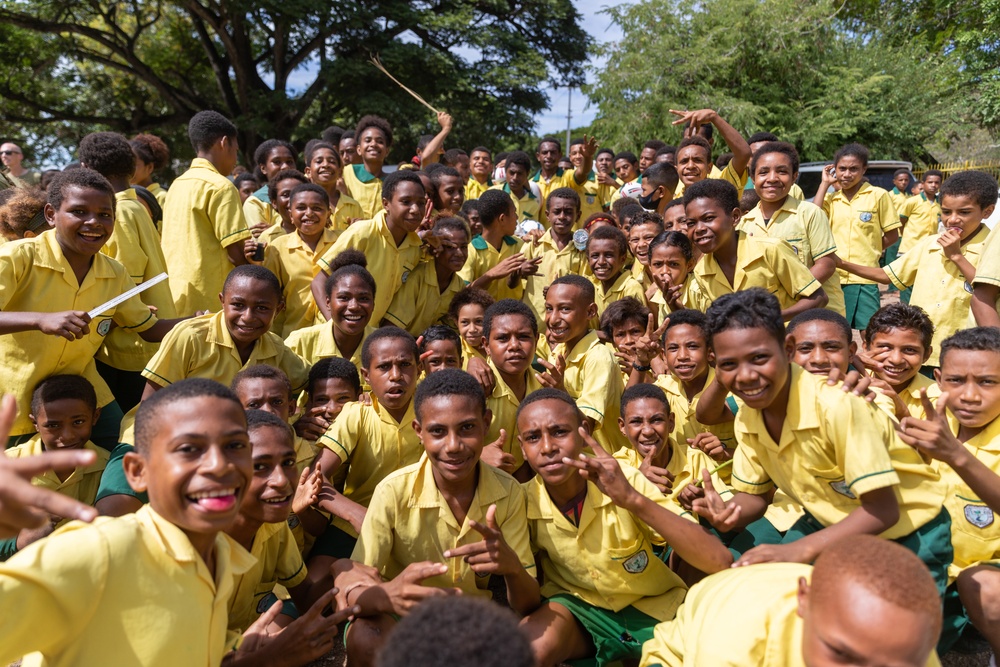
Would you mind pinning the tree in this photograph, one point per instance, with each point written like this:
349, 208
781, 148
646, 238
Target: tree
787, 66
283, 68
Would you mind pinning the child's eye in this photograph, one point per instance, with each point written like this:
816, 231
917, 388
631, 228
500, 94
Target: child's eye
288, 463
259, 467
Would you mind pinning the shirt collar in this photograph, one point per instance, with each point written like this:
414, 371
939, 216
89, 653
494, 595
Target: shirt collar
362, 174
49, 255
171, 540
218, 334
582, 347
800, 414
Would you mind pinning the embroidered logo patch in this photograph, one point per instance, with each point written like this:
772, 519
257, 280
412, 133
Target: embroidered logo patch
591, 199
406, 274
637, 562
265, 604
865, 216
841, 488
104, 327
978, 515
293, 521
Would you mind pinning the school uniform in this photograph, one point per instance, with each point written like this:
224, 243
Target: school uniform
257, 209
555, 263
203, 347
686, 426
159, 192
920, 217
988, 268
272, 233
595, 198
422, 301
365, 188
911, 395
483, 257
528, 206
474, 189
347, 210
278, 563
201, 218
624, 285
805, 227
126, 591
503, 403
409, 521
295, 264
563, 178
388, 263
317, 342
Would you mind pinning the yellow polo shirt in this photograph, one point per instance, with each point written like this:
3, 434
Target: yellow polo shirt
372, 445
317, 342
528, 206
202, 347
202, 217
920, 217
272, 233
624, 285
256, 211
126, 591
365, 188
938, 285
474, 189
834, 448
685, 467
607, 560
555, 263
81, 484
136, 244
898, 198
859, 225
388, 263
483, 257
760, 262
35, 276
409, 521
159, 192
595, 198
289, 258
421, 301
594, 380
988, 269
686, 426
911, 395
347, 210
503, 403
563, 178
975, 532
805, 227
278, 562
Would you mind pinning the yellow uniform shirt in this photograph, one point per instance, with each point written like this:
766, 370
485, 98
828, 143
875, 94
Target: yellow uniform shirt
975, 533
685, 467
289, 258
555, 263
159, 192
834, 448
474, 189
595, 198
760, 262
257, 211
365, 188
346, 212
202, 217
81, 484
528, 205
202, 347
127, 591
35, 277
911, 395
317, 342
409, 521
563, 178
272, 233
136, 244
372, 445
421, 301
859, 225
686, 426
898, 198
607, 560
483, 257
388, 263
938, 285
920, 217
988, 269
594, 380
279, 562
805, 227
469, 352
503, 403
768, 632
624, 285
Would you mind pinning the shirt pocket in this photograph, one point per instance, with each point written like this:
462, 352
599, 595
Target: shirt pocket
830, 486
632, 562
975, 525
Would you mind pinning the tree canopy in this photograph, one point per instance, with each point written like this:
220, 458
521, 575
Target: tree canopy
283, 69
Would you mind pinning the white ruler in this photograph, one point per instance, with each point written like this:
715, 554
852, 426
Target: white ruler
127, 295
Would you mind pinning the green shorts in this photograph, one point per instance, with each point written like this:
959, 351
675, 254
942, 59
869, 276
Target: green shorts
755, 534
861, 302
931, 543
334, 542
113, 480
617, 635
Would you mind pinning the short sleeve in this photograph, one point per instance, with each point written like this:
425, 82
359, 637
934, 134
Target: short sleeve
903, 270
514, 527
828, 203
862, 447
12, 269
226, 215
749, 475
887, 215
818, 232
170, 363
290, 570
793, 275
374, 546
354, 238
294, 367
342, 436
907, 209
403, 310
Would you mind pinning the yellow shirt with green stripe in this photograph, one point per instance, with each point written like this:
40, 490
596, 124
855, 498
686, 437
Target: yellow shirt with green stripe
365, 188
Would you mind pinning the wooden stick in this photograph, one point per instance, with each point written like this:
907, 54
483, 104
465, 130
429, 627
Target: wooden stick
380, 67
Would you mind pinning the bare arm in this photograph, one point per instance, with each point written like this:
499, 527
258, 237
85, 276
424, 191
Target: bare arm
430, 152
984, 308
817, 299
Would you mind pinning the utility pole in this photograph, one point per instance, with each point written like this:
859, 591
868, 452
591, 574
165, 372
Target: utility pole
569, 115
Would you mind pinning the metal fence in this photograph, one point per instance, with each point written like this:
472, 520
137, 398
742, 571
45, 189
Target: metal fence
948, 168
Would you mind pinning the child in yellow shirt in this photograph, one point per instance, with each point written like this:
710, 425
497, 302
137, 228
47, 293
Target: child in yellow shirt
272, 157
480, 173
440, 348
671, 260
64, 410
363, 178
496, 262
151, 155
323, 167
897, 343
448, 191
623, 324
527, 205
467, 311
643, 229
467, 524
986, 286
279, 190
788, 612
607, 251
332, 384
593, 523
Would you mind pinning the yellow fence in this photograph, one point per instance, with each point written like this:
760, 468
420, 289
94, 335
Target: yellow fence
990, 166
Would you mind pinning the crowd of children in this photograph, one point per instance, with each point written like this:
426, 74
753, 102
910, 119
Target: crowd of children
657, 405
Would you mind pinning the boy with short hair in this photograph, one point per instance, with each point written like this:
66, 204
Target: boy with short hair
551, 176
897, 343
468, 521
595, 195
864, 223
447, 190
558, 249
203, 225
939, 268
496, 262
623, 325
332, 384
440, 347
480, 173
527, 205
364, 177
388, 240
860, 477
694, 154
607, 250
643, 229
64, 410
659, 181
961, 432
861, 591
271, 157
593, 523
732, 261
921, 215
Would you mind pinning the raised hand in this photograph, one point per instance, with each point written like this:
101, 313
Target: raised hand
723, 516
313, 424
308, 490
603, 470
711, 445
695, 119
553, 375
494, 455
491, 555
932, 437
661, 478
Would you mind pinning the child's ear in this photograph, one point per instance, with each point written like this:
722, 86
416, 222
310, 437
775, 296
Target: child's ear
852, 348
621, 426
671, 419
97, 415
927, 355
416, 427
937, 375
134, 466
591, 310
736, 213
222, 299
803, 597
50, 213
790, 344
487, 419
988, 211
33, 421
